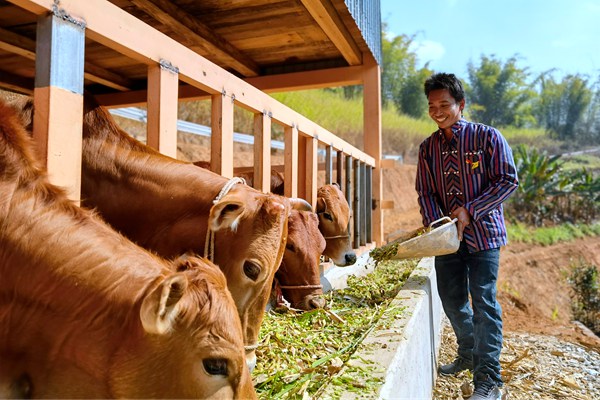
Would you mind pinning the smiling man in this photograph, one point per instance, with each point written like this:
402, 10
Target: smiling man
466, 171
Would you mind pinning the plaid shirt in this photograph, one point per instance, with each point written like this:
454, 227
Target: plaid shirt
475, 169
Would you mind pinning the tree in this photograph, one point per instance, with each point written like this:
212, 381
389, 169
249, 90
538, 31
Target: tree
588, 130
562, 105
399, 63
499, 94
412, 98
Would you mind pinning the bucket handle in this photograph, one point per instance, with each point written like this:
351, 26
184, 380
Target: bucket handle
445, 218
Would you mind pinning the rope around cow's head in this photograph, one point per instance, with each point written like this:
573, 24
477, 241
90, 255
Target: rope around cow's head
209, 244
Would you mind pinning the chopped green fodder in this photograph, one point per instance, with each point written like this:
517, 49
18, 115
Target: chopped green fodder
300, 353
390, 250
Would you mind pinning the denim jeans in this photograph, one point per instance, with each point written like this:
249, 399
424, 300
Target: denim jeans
478, 329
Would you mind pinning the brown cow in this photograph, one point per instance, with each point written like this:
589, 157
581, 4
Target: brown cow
299, 274
168, 206
334, 215
333, 211
85, 313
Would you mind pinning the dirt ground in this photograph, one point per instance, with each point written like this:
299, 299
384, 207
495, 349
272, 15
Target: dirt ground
532, 285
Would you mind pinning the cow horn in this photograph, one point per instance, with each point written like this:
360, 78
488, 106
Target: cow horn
300, 204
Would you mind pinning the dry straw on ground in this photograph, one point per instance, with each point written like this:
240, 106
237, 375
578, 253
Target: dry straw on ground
533, 367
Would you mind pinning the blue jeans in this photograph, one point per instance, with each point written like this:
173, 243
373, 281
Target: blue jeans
479, 329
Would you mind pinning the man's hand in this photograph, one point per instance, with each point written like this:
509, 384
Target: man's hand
464, 219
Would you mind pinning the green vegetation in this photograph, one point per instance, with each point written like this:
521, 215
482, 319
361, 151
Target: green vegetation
585, 283
300, 353
545, 236
549, 194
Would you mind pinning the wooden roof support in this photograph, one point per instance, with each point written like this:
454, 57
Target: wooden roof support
25, 47
342, 76
163, 82
186, 26
290, 154
262, 152
373, 141
221, 147
58, 101
328, 19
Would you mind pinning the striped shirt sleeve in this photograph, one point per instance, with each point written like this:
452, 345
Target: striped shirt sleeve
502, 176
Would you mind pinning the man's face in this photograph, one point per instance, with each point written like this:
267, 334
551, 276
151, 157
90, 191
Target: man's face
443, 109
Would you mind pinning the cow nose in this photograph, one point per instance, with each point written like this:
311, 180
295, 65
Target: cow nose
316, 302
350, 258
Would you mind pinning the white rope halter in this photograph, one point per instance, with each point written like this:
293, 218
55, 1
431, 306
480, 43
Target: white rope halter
209, 244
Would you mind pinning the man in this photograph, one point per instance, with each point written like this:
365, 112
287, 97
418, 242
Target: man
466, 171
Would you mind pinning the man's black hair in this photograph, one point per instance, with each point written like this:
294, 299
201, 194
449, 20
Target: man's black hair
445, 81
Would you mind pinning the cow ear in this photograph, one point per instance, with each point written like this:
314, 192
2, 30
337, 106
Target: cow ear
226, 215
320, 205
161, 307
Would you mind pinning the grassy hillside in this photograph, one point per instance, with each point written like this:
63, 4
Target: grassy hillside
401, 134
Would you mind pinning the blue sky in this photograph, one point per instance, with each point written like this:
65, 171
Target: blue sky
543, 34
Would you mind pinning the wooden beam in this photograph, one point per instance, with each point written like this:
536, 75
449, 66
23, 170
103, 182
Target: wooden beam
262, 152
25, 47
290, 158
192, 32
326, 16
162, 108
317, 79
372, 139
221, 148
58, 100
312, 170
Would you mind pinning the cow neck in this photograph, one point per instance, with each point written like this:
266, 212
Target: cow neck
209, 245
142, 193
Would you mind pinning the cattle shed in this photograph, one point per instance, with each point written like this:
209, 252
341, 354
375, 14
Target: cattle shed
234, 53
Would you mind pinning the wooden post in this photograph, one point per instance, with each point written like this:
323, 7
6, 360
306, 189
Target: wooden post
58, 99
221, 147
328, 165
163, 85
340, 168
356, 204
372, 137
290, 158
349, 194
369, 208
312, 168
262, 152
363, 204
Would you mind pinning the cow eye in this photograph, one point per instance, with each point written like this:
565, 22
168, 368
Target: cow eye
290, 247
327, 216
252, 270
215, 366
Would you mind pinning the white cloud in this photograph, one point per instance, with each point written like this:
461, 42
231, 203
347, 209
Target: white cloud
427, 50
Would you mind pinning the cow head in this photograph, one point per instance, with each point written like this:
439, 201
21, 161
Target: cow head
191, 345
250, 232
334, 214
299, 273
